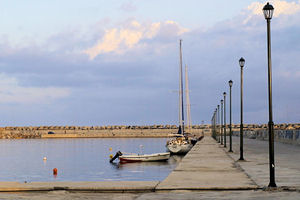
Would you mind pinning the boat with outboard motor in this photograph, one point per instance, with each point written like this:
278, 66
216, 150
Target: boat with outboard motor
133, 157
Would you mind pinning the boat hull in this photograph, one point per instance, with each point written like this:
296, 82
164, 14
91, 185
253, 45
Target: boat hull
145, 157
179, 148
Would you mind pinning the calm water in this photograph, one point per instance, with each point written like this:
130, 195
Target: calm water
80, 160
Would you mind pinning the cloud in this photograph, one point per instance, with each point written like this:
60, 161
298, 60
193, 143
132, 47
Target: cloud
280, 8
120, 40
137, 66
12, 92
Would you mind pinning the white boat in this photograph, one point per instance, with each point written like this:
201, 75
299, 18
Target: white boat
144, 157
181, 144
132, 157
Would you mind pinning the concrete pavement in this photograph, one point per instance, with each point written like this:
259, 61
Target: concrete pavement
256, 164
207, 167
100, 186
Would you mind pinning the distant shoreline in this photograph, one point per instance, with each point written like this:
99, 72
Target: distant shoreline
153, 131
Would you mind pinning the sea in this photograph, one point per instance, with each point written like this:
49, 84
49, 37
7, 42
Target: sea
81, 159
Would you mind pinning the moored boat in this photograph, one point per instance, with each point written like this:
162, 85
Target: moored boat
181, 144
144, 157
132, 157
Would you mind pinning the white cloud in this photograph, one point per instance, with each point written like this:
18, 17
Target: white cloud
280, 8
119, 40
12, 92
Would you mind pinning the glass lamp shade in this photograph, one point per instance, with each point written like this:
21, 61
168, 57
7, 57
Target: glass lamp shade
224, 94
230, 83
242, 62
268, 11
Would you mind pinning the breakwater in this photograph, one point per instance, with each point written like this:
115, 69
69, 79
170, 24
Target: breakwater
116, 131
96, 131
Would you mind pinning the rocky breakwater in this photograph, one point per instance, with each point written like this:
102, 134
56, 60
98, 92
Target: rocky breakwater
94, 131
18, 133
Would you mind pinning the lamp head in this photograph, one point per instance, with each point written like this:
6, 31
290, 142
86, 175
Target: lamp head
224, 94
242, 62
230, 83
268, 11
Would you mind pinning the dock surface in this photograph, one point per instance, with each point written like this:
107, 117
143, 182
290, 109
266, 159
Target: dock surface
207, 167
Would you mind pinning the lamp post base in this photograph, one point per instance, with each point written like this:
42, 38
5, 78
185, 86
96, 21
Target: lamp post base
272, 184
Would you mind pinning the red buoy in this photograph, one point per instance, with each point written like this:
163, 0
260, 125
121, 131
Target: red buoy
55, 171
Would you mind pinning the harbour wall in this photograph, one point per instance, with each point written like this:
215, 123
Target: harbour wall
132, 131
96, 131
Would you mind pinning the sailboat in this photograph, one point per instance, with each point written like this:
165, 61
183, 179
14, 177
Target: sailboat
181, 144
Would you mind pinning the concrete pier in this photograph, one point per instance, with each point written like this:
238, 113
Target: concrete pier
207, 167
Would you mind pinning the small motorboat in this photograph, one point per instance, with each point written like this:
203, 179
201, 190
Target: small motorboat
132, 157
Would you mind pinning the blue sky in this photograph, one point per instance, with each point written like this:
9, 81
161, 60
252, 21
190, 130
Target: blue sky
116, 62
42, 18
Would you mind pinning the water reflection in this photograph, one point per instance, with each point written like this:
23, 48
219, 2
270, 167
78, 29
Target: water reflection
80, 160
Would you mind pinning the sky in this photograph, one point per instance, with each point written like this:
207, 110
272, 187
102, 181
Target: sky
96, 62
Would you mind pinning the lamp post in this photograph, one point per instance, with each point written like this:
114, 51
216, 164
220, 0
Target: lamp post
230, 118
242, 63
222, 121
224, 94
218, 114
268, 13
211, 121
215, 114
213, 125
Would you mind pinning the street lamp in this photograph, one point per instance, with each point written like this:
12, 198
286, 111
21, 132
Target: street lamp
218, 114
230, 118
224, 94
222, 121
268, 13
215, 123
242, 63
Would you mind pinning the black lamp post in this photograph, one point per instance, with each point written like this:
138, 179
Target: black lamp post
224, 94
215, 123
218, 114
211, 121
242, 63
222, 121
268, 13
212, 125
230, 118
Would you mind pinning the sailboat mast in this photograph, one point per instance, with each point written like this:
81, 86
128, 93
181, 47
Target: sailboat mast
181, 112
188, 103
